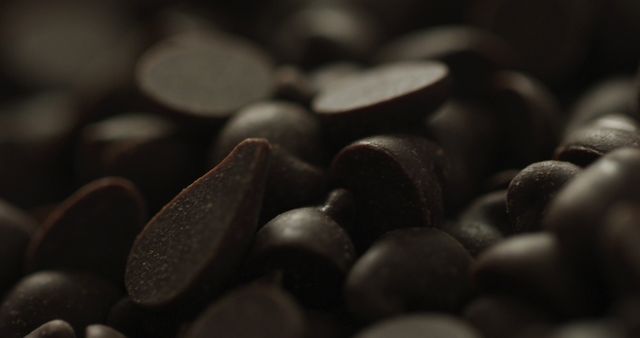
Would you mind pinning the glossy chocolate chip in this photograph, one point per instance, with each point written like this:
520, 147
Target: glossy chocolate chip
192, 248
135, 321
396, 95
531, 191
421, 325
204, 77
102, 331
618, 251
533, 267
408, 183
253, 311
287, 125
584, 146
79, 299
504, 317
408, 270
565, 31
311, 250
146, 149
54, 329
471, 54
92, 231
33, 134
16, 229
575, 215
612, 96
324, 32
530, 117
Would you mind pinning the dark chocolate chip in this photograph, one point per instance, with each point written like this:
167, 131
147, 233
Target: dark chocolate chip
135, 321
292, 84
589, 329
78, 299
192, 248
16, 229
54, 329
92, 231
489, 209
533, 267
504, 317
576, 214
408, 184
396, 95
475, 236
255, 311
421, 325
325, 77
102, 331
531, 191
471, 54
408, 270
146, 149
284, 124
312, 251
584, 146
619, 252
204, 77
500, 180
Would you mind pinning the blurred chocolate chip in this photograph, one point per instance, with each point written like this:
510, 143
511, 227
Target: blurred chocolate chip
533, 267
102, 331
386, 98
135, 321
531, 191
287, 125
79, 299
292, 84
16, 229
53, 329
500, 180
407, 171
491, 209
191, 249
255, 311
409, 270
326, 76
310, 248
324, 32
575, 215
202, 77
102, 217
471, 54
504, 317
619, 254
420, 325
589, 329
550, 37
146, 149
34, 132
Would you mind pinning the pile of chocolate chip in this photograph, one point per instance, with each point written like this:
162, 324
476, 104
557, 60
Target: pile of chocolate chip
319, 169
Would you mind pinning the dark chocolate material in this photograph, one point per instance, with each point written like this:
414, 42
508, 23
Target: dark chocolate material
192, 248
91, 231
409, 270
255, 311
618, 250
584, 146
53, 329
102, 331
16, 229
79, 299
421, 325
135, 321
504, 317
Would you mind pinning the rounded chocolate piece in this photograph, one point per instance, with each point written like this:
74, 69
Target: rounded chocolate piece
504, 317
16, 229
310, 249
407, 270
590, 329
531, 191
490, 209
292, 84
471, 54
551, 49
192, 248
204, 77
324, 32
500, 180
475, 236
420, 325
396, 95
146, 149
92, 231
79, 299
135, 321
284, 124
102, 331
255, 311
576, 214
533, 267
396, 182
54, 329
618, 250
584, 146
325, 77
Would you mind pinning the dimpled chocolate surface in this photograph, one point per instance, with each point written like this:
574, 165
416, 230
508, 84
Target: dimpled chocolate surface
193, 245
